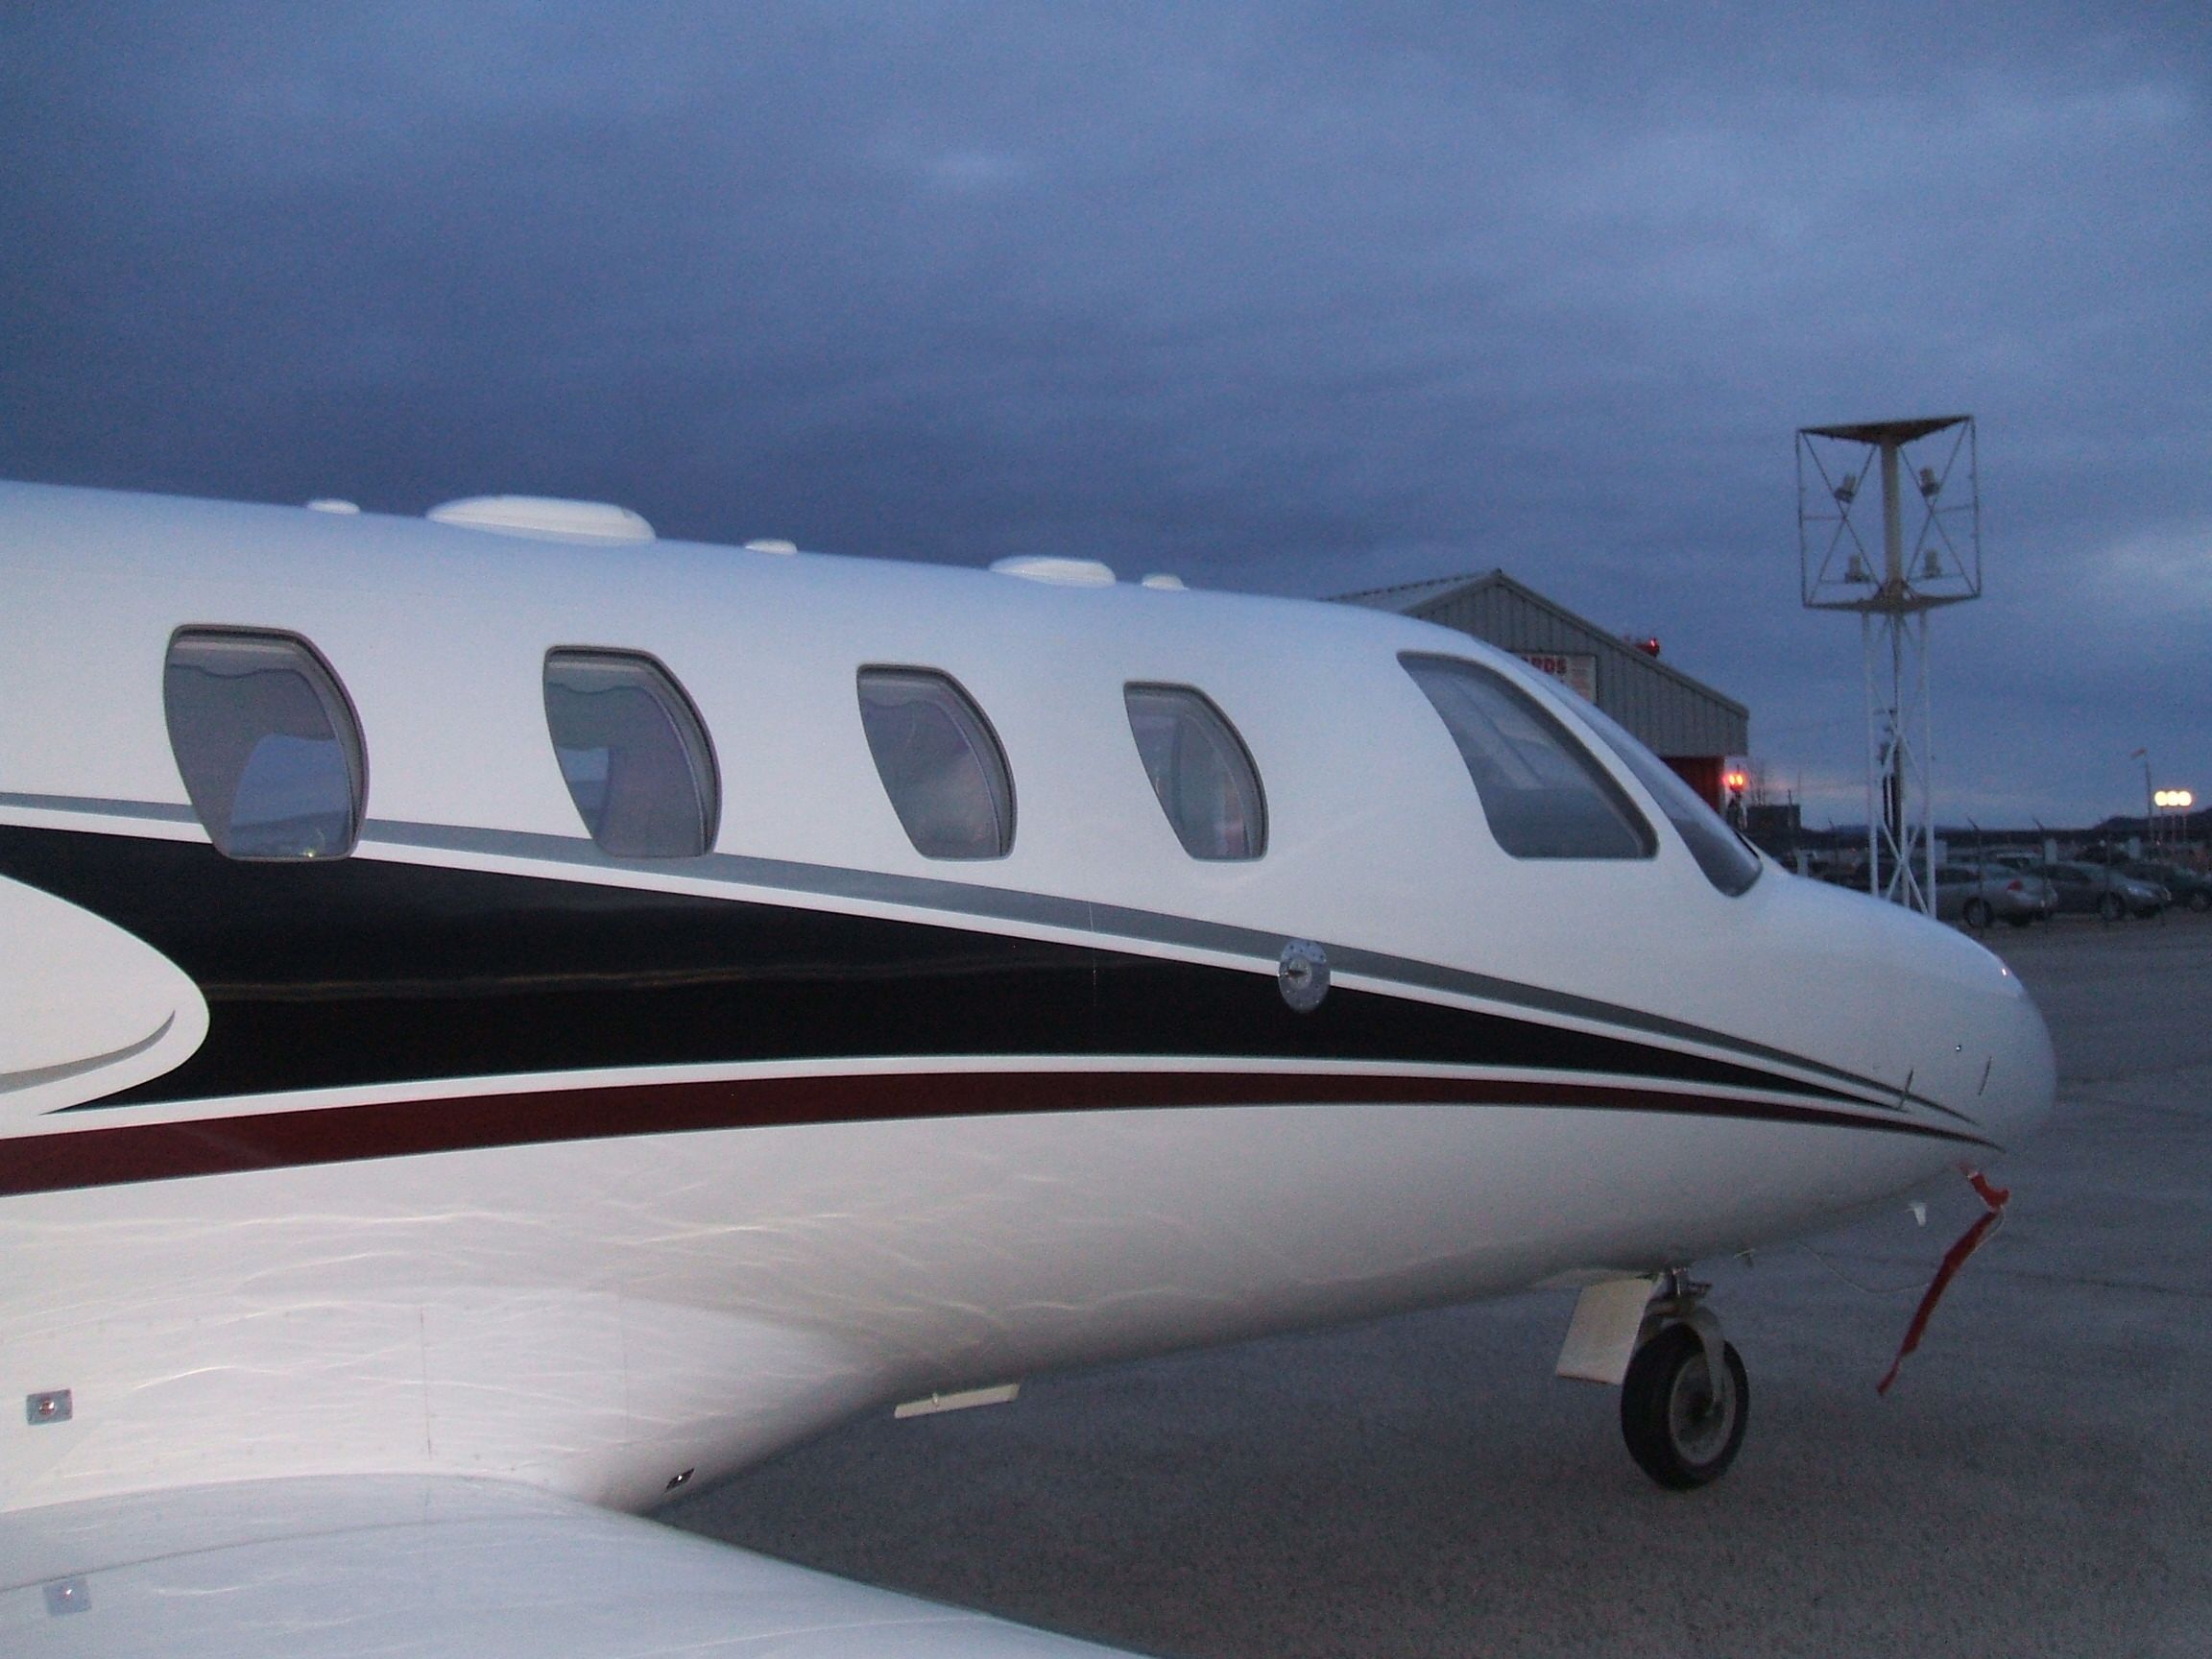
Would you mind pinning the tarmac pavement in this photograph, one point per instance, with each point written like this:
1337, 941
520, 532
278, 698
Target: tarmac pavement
2038, 1482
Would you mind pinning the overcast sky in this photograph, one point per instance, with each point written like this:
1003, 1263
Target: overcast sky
1288, 298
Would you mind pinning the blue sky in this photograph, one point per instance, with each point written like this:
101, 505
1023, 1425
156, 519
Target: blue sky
1298, 299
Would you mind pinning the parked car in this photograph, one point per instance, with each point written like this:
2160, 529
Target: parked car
2100, 890
2188, 886
1981, 896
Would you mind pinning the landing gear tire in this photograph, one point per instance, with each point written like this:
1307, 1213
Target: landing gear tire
1979, 914
1680, 1430
2110, 907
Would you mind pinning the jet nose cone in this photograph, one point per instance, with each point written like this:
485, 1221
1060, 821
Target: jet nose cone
1991, 1063
1908, 999
2023, 1070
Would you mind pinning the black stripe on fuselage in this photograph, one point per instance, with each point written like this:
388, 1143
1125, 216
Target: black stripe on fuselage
971, 905
367, 972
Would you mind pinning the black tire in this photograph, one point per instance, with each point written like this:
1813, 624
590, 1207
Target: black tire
1978, 914
2111, 907
1678, 1432
2200, 900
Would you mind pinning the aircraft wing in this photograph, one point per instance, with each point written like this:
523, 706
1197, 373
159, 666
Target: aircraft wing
321, 1567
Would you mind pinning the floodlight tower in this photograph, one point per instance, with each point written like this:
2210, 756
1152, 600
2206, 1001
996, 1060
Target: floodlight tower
1941, 565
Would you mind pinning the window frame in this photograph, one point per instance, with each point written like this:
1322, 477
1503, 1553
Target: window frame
335, 704
1222, 727
695, 738
991, 758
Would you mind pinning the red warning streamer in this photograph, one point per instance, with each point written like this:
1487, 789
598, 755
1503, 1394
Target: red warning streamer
1954, 1259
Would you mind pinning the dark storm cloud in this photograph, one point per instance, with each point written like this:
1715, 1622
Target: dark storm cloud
1304, 298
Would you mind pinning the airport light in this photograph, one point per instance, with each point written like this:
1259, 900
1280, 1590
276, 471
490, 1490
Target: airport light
2172, 802
1921, 550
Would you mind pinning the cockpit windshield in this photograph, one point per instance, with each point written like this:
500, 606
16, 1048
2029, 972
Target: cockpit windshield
1544, 794
1728, 863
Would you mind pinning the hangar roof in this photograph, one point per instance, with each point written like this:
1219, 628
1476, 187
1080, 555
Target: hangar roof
1672, 713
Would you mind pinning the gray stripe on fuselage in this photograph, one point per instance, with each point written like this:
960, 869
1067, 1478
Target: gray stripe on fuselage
99, 806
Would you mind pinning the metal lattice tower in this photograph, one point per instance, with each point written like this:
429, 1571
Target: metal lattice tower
1892, 592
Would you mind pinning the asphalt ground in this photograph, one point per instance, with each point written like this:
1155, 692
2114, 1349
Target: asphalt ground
2039, 1481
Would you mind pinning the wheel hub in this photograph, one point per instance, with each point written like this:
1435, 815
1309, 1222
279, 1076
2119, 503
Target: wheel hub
1699, 1415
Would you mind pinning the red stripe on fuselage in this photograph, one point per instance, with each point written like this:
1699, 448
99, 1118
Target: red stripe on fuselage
122, 1153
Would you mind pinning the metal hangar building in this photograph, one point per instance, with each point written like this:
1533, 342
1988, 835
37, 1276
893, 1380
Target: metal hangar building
1686, 723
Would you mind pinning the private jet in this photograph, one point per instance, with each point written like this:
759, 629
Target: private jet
505, 1018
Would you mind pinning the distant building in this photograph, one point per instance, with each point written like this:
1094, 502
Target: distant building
1777, 827
1688, 725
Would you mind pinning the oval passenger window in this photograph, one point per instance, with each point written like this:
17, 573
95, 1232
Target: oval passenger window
633, 752
939, 762
1200, 770
266, 742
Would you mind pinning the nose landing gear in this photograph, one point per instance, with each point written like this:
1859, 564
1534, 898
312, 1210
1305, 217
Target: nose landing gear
1684, 1402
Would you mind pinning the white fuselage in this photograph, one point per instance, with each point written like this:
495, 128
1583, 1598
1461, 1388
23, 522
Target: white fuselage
286, 1189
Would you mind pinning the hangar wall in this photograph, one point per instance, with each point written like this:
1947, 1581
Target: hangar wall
1688, 725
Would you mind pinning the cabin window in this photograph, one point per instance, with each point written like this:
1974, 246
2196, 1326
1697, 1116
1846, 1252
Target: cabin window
1728, 863
633, 754
1200, 770
1543, 793
266, 742
940, 763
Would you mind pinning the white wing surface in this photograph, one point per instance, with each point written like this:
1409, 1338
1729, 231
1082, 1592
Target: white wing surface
391, 1566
